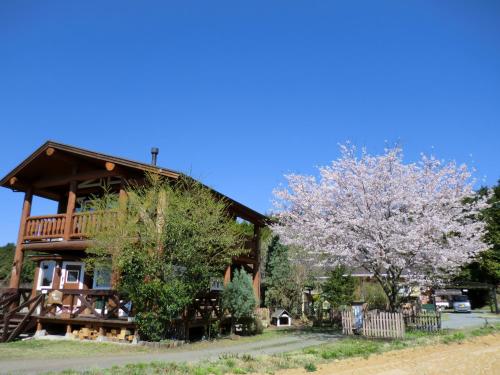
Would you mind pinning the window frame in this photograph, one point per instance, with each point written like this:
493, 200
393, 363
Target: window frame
94, 278
64, 274
39, 285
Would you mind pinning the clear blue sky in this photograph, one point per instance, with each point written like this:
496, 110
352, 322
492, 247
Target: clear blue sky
238, 93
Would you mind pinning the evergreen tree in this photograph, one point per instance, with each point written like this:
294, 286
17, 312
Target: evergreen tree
486, 268
238, 297
283, 286
489, 260
339, 288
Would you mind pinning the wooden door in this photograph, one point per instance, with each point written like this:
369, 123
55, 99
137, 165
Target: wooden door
72, 276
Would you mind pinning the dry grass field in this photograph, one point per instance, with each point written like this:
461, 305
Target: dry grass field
477, 356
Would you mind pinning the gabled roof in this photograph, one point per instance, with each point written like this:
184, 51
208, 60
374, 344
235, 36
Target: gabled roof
32, 168
279, 312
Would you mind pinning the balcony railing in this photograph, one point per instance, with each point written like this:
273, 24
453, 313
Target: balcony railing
84, 224
53, 227
44, 227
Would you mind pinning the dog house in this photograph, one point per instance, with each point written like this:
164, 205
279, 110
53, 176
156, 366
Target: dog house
280, 318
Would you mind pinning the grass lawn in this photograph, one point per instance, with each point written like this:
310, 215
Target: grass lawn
308, 358
44, 349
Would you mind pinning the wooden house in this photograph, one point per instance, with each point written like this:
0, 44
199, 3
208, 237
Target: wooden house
64, 292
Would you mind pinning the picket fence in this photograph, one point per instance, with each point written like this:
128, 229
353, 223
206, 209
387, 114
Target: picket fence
347, 322
374, 324
428, 321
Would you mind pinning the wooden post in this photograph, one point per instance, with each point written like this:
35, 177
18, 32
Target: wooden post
256, 266
17, 266
69, 333
495, 301
122, 197
122, 208
70, 208
56, 282
35, 279
227, 275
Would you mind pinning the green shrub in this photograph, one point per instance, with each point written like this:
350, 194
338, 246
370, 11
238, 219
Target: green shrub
230, 362
310, 367
374, 296
150, 326
258, 327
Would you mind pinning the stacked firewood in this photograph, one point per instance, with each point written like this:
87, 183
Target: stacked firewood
90, 333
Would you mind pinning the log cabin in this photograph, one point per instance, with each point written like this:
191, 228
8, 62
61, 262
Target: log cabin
64, 295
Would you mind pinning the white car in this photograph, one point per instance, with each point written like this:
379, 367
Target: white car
461, 304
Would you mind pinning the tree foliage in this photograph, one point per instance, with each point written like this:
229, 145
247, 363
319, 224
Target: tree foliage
486, 267
404, 223
339, 288
283, 283
373, 295
166, 243
7, 258
238, 297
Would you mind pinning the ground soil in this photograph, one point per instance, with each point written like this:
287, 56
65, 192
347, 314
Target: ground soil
475, 357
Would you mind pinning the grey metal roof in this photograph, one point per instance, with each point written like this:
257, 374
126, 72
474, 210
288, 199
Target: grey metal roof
278, 313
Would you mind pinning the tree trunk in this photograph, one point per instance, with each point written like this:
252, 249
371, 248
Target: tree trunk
390, 288
393, 301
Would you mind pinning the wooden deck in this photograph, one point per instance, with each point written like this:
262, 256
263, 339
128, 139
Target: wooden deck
59, 227
106, 309
19, 311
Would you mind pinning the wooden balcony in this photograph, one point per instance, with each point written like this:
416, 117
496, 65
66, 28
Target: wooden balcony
54, 228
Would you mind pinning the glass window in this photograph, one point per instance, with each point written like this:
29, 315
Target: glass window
73, 273
102, 277
46, 273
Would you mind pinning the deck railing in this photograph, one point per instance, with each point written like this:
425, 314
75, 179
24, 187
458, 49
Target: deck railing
85, 304
84, 224
44, 227
53, 227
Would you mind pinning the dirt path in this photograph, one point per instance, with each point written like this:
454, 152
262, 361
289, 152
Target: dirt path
472, 357
271, 346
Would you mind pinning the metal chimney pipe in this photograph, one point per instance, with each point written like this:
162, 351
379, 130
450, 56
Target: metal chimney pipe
154, 154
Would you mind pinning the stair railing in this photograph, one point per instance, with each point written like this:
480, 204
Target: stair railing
33, 303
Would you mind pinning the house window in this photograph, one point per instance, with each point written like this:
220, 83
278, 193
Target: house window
47, 268
73, 273
216, 283
102, 278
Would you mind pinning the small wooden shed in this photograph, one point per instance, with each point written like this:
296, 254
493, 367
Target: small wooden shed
280, 318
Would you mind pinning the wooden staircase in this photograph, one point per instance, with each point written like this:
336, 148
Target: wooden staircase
16, 318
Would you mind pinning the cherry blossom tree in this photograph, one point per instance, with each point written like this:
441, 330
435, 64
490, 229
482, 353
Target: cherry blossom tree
407, 224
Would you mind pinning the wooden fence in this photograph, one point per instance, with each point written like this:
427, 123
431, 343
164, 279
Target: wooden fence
347, 322
428, 321
374, 324
383, 325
